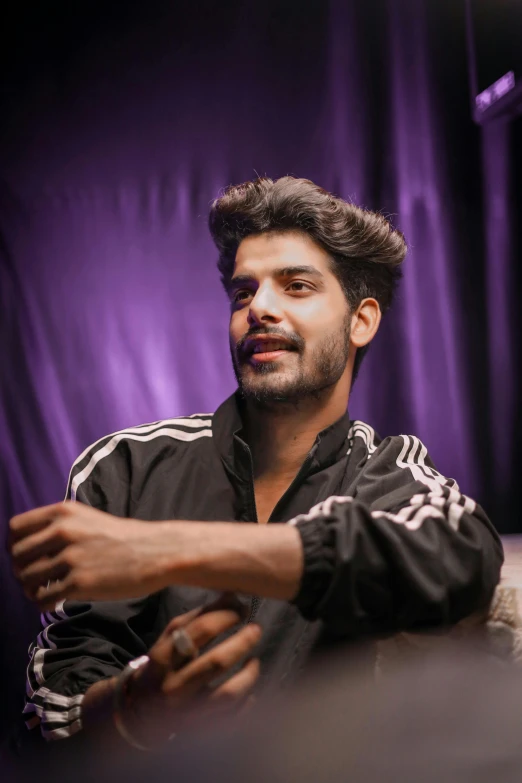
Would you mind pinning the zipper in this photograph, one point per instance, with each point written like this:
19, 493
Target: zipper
254, 606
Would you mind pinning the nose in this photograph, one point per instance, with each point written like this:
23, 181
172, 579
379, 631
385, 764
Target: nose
265, 307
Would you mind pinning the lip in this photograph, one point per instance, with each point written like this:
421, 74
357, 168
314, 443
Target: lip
256, 342
267, 356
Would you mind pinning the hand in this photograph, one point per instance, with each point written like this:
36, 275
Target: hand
169, 695
84, 553
73, 551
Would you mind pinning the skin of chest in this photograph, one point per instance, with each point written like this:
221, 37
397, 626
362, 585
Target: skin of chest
267, 494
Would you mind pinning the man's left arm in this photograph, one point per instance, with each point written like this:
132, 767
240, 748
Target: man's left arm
406, 551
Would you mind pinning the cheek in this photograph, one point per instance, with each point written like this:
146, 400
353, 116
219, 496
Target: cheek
237, 327
319, 319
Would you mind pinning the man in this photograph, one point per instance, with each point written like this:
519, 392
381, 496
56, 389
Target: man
375, 540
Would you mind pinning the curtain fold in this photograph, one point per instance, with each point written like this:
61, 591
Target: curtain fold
122, 128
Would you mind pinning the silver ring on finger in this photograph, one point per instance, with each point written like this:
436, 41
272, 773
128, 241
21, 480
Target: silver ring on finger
183, 645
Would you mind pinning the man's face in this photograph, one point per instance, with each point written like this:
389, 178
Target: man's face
290, 323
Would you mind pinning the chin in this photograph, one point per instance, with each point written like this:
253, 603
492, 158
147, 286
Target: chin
265, 391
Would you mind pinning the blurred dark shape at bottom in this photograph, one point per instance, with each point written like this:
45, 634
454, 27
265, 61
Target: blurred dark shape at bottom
455, 716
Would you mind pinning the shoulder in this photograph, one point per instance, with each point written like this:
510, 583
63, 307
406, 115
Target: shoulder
366, 443
363, 441
117, 451
397, 454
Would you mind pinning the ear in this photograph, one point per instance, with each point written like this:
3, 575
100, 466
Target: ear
365, 322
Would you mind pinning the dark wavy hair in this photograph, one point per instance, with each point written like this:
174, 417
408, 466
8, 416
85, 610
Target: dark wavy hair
365, 250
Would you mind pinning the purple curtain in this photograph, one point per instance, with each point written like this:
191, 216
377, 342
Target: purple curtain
122, 125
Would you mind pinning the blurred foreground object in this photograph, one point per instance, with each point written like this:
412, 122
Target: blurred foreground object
455, 718
502, 623
445, 706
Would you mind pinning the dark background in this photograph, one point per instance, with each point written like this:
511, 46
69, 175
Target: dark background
497, 30
122, 121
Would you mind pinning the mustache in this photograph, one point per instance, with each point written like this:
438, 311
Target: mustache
295, 340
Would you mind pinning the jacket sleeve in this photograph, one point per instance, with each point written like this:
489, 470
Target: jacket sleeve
83, 642
404, 551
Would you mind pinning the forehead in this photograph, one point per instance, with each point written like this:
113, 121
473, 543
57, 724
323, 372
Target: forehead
261, 255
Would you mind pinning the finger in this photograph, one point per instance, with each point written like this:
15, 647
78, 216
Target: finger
23, 525
225, 601
39, 573
163, 656
228, 600
47, 596
239, 686
205, 627
34, 547
201, 629
180, 621
15, 534
212, 664
235, 696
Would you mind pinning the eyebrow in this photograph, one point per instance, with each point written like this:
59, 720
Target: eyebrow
286, 271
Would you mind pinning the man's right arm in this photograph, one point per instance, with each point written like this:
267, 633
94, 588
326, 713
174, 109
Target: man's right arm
86, 644
82, 643
167, 694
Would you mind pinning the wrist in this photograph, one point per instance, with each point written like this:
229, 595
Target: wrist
162, 554
265, 560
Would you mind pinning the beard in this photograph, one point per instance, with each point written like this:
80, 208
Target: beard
272, 383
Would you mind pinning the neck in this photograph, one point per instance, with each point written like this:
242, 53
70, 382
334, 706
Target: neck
281, 435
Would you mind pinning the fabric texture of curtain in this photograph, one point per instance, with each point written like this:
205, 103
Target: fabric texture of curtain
120, 128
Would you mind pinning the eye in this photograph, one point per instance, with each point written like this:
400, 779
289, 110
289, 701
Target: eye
241, 296
299, 286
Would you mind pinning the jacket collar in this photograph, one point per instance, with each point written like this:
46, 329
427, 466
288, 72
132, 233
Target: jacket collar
227, 428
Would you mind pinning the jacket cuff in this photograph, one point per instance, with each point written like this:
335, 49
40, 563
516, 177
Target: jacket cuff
318, 540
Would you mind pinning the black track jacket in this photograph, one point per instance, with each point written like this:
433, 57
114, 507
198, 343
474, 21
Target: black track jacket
389, 545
